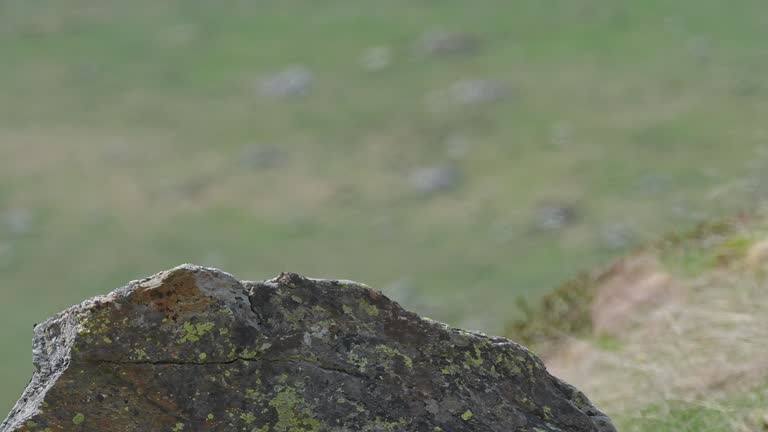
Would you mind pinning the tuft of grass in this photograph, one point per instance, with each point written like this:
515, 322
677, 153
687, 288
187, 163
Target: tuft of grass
708, 246
562, 313
608, 343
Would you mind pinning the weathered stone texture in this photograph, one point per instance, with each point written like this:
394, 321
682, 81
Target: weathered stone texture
193, 349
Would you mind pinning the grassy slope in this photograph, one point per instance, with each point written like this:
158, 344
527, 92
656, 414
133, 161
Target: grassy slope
693, 362
121, 125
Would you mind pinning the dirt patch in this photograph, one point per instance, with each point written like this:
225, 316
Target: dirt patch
628, 290
757, 255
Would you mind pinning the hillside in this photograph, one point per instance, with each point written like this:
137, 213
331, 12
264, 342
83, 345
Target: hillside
672, 337
457, 155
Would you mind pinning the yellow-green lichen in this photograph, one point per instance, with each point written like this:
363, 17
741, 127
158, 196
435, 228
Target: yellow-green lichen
178, 427
369, 308
79, 418
248, 418
451, 369
393, 352
547, 413
292, 412
202, 356
379, 424
477, 359
510, 363
357, 360
309, 358
140, 354
248, 353
467, 415
252, 394
193, 332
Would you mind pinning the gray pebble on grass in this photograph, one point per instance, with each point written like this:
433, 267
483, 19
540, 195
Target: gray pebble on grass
292, 82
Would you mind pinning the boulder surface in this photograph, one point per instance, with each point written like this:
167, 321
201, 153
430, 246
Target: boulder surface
194, 349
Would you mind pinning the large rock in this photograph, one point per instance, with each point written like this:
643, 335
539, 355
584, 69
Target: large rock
193, 349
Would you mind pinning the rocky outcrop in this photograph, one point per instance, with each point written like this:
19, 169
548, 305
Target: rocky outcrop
194, 349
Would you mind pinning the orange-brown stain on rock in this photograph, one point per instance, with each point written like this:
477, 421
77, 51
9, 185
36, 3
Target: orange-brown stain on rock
173, 294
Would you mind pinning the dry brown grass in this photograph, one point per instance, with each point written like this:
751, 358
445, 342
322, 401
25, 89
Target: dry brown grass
696, 350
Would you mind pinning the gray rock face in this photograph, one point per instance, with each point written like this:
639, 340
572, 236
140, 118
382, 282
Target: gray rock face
194, 349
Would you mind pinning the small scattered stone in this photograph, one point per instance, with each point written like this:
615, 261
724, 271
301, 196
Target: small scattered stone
468, 92
618, 235
561, 135
479, 91
434, 179
554, 216
261, 157
376, 58
444, 43
293, 82
18, 221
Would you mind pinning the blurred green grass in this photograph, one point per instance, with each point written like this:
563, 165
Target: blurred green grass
739, 411
122, 127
